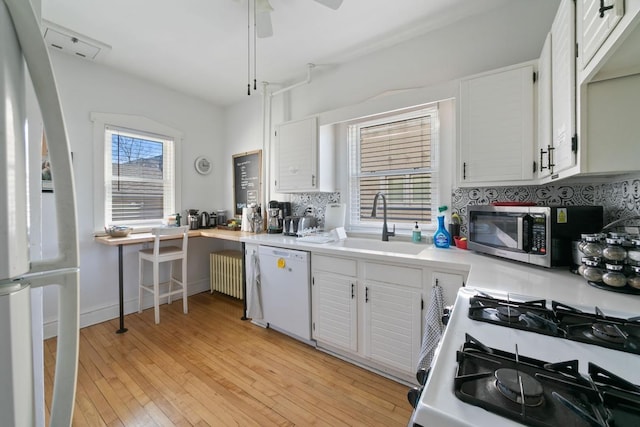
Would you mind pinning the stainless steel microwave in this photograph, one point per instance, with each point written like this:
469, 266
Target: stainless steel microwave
539, 235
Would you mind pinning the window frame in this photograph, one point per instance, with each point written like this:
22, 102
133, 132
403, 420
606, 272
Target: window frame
134, 124
355, 225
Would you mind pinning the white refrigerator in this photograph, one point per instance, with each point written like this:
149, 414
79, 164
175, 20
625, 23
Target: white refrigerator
22, 51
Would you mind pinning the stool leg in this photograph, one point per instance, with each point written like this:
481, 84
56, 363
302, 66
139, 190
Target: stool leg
156, 293
140, 269
170, 281
184, 285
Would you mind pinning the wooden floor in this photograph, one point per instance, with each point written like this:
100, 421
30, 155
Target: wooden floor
210, 368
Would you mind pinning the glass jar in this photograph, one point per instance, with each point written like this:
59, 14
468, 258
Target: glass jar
634, 279
614, 250
591, 245
633, 254
614, 276
592, 271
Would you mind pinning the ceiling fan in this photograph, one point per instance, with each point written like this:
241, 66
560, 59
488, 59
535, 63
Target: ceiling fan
263, 15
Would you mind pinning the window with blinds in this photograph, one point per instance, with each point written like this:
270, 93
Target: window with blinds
394, 156
139, 177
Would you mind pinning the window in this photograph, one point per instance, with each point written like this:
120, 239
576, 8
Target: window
139, 174
394, 155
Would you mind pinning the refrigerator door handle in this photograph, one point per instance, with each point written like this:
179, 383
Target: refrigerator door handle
39, 64
66, 373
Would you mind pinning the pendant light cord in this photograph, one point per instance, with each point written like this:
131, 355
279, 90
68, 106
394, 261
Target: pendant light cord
255, 44
249, 46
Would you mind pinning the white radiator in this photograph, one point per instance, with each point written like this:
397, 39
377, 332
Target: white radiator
226, 273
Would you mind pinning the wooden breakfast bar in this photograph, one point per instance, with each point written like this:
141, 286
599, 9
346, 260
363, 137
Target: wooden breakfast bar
139, 238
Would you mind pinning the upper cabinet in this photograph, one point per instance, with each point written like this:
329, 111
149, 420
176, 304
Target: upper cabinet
596, 20
303, 157
545, 131
561, 154
497, 126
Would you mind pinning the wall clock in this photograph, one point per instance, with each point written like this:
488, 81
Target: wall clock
203, 165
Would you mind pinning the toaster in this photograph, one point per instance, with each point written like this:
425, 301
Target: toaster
295, 224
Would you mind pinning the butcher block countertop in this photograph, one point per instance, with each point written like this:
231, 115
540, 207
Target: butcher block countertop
133, 238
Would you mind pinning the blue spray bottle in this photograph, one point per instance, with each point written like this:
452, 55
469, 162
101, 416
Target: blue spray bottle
441, 238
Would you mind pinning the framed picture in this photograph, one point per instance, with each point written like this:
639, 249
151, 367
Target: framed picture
47, 182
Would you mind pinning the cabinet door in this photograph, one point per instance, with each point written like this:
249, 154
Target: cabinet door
392, 325
496, 124
335, 320
544, 109
595, 26
296, 155
563, 87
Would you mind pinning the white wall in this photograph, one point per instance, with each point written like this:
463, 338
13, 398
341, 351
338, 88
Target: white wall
87, 87
418, 71
427, 65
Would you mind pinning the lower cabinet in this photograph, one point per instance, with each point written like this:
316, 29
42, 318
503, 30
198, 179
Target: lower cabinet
369, 311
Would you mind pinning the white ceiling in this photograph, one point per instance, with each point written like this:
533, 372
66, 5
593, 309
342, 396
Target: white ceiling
199, 47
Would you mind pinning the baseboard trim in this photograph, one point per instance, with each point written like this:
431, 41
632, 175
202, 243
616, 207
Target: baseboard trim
112, 311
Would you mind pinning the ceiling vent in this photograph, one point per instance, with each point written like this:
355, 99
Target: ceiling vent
64, 40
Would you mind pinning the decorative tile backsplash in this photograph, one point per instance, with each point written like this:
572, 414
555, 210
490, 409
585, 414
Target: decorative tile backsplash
621, 199
319, 201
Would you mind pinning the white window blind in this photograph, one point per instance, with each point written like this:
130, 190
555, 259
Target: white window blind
394, 156
139, 177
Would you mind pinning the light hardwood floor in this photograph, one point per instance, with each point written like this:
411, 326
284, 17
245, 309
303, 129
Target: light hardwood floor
211, 368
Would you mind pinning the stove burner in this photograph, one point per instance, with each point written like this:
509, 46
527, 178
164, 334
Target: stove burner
607, 332
508, 383
508, 314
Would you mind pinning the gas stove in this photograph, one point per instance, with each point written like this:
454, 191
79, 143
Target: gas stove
561, 320
509, 360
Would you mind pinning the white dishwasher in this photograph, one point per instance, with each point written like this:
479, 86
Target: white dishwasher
286, 291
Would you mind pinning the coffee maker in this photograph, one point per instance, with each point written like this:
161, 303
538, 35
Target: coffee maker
274, 221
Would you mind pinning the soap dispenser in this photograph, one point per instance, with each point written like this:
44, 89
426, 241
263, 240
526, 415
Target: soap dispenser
416, 236
441, 238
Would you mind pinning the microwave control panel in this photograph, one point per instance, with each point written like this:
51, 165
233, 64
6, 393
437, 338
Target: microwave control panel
539, 234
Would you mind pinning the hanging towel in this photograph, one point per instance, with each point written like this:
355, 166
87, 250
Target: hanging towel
433, 327
255, 301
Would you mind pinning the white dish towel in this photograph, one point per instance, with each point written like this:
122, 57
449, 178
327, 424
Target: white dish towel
255, 293
433, 327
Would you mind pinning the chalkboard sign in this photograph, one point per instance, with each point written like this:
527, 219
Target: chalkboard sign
247, 179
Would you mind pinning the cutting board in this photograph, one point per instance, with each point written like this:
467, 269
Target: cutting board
334, 216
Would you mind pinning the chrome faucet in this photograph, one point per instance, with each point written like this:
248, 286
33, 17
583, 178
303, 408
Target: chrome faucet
385, 231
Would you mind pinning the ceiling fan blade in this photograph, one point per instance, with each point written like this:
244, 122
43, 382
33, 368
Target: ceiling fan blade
333, 4
263, 24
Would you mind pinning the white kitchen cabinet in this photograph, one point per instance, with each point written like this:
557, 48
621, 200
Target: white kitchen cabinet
561, 154
303, 157
250, 251
368, 311
545, 131
450, 283
497, 126
335, 303
595, 25
392, 315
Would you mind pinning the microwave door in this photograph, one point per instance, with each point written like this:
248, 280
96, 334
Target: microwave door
500, 230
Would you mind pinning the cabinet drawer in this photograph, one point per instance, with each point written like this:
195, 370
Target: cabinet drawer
405, 276
343, 266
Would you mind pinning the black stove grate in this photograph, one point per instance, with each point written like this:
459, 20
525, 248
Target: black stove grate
567, 398
561, 321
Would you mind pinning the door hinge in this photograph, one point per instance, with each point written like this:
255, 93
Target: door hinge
535, 76
313, 326
313, 281
577, 50
275, 133
422, 304
574, 143
535, 166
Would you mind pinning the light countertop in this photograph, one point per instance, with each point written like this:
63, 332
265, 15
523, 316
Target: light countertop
484, 271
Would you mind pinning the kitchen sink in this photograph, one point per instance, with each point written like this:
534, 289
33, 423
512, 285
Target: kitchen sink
406, 248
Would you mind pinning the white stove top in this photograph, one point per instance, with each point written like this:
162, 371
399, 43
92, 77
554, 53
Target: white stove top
438, 405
